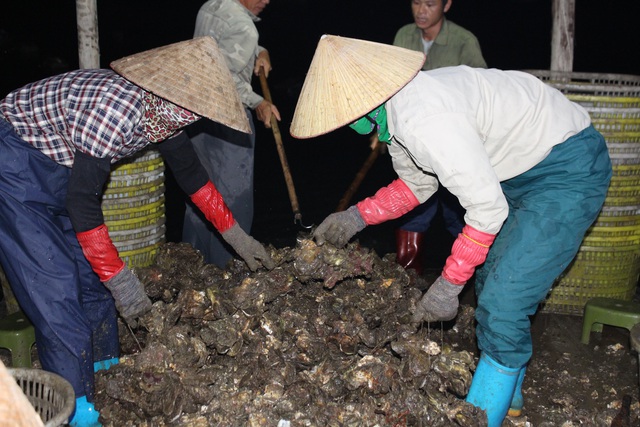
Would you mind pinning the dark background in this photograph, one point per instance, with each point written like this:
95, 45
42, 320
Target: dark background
38, 38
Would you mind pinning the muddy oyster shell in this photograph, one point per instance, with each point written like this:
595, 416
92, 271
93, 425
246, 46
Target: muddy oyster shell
323, 339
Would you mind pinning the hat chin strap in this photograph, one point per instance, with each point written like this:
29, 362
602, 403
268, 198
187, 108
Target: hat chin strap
383, 127
374, 119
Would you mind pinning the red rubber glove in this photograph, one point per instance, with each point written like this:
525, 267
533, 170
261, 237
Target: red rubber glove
127, 291
209, 200
100, 252
390, 202
469, 251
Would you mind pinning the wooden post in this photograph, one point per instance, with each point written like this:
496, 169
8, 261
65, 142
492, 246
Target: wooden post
562, 35
87, 22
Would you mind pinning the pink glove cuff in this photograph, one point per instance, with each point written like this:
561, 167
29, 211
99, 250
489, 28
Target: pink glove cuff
469, 251
390, 202
209, 200
477, 236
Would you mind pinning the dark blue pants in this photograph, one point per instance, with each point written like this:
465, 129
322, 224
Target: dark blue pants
228, 157
550, 209
72, 312
419, 219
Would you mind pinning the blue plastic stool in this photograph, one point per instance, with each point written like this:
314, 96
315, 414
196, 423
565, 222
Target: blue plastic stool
608, 311
17, 335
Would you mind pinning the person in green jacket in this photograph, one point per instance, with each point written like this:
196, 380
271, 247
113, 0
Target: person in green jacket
445, 44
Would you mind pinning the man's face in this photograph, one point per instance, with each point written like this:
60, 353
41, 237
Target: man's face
255, 6
427, 13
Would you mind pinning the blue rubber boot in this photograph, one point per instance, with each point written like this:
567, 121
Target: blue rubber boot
492, 389
85, 414
105, 364
517, 402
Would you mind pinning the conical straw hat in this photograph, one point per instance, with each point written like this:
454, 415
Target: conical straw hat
192, 74
348, 78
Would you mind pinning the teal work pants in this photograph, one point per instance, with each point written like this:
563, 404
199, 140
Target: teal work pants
551, 206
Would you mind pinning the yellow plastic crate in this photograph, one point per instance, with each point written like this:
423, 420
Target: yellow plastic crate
608, 261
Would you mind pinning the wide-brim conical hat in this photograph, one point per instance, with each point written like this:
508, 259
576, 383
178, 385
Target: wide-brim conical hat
347, 79
192, 74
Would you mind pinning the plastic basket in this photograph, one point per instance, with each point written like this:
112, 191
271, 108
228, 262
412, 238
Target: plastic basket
133, 224
149, 162
133, 207
148, 154
139, 232
593, 84
133, 191
140, 211
608, 261
143, 257
51, 396
619, 211
135, 201
610, 272
595, 103
621, 138
137, 179
130, 245
615, 125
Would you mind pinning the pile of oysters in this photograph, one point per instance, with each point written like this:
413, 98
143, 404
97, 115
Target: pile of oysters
323, 339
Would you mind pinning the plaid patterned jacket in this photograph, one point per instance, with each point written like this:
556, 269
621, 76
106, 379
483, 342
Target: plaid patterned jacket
94, 111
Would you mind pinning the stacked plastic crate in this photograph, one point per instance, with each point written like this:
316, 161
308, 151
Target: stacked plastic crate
608, 262
133, 207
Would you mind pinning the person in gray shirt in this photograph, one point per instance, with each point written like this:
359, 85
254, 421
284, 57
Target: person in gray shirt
228, 155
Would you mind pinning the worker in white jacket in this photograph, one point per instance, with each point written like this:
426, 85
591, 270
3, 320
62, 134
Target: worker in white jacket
526, 164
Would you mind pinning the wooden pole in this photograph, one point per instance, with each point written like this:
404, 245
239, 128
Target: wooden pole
355, 184
87, 22
562, 35
297, 216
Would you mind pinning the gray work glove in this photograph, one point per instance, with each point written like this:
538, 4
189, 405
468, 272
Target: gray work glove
338, 228
131, 299
439, 303
249, 249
